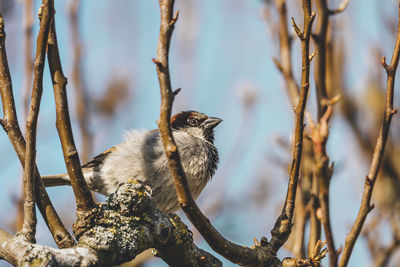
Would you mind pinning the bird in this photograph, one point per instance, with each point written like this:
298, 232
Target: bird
141, 156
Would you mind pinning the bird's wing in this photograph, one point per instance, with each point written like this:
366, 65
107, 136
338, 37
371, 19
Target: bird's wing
98, 160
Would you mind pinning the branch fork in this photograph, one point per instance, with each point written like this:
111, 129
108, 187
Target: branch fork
300, 33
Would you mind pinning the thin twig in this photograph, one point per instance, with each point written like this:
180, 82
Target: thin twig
323, 172
26, 89
302, 212
304, 201
28, 57
318, 253
320, 37
83, 197
300, 219
381, 254
10, 125
377, 157
283, 225
29, 224
285, 53
81, 99
315, 223
386, 253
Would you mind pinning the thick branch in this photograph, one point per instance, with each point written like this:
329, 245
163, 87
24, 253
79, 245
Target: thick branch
84, 200
11, 127
283, 225
377, 157
127, 224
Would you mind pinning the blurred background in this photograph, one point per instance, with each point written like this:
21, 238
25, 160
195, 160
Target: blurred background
221, 56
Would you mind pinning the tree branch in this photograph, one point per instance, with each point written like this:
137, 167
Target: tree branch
11, 127
29, 224
127, 224
81, 99
257, 255
285, 53
323, 172
283, 225
25, 92
320, 63
28, 57
366, 206
315, 223
84, 200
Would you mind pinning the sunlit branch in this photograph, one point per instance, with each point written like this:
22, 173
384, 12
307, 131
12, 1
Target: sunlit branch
83, 197
377, 157
10, 125
283, 225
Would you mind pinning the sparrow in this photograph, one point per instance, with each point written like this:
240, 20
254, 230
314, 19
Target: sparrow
141, 156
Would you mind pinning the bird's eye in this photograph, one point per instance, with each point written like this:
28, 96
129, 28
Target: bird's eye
193, 122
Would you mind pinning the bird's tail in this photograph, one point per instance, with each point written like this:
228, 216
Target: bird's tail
56, 180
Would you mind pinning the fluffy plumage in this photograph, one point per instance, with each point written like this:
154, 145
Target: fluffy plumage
141, 156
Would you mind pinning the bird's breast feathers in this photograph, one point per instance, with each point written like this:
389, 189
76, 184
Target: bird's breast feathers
141, 156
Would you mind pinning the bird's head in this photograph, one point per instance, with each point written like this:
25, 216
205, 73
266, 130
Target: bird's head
195, 123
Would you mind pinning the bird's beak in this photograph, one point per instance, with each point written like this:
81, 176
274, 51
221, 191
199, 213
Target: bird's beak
211, 122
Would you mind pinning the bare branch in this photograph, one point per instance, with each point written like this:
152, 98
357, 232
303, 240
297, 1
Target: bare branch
285, 66
323, 172
300, 219
7, 252
127, 224
29, 224
233, 252
81, 99
28, 57
283, 225
25, 91
320, 38
311, 57
315, 223
366, 206
318, 254
278, 64
383, 63
83, 197
381, 254
297, 29
11, 127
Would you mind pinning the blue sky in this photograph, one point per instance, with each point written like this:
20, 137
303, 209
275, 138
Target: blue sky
220, 50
